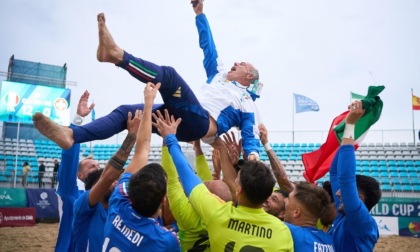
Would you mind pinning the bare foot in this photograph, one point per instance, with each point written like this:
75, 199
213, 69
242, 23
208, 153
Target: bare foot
61, 135
108, 51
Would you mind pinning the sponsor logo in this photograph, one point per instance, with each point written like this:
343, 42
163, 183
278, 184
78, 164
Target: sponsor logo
5, 196
43, 202
43, 195
177, 93
383, 226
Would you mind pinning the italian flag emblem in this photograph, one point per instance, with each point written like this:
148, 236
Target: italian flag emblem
12, 99
318, 162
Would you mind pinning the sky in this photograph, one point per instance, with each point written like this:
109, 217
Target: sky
320, 49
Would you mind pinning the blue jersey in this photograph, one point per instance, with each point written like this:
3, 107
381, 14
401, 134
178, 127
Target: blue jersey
229, 103
126, 230
310, 239
88, 225
68, 192
357, 230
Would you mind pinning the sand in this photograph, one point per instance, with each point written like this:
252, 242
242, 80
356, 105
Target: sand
42, 237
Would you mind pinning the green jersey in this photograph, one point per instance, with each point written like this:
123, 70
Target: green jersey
239, 228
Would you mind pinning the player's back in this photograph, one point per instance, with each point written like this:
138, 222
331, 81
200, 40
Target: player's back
236, 228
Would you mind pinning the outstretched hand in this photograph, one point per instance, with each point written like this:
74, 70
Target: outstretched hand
234, 148
82, 107
263, 134
150, 91
165, 125
215, 157
356, 112
133, 122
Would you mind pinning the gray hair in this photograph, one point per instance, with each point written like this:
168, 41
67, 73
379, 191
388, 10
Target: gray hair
255, 74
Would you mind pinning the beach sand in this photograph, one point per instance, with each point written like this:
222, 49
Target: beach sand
42, 237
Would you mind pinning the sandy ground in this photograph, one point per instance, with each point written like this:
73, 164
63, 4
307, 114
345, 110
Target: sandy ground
42, 236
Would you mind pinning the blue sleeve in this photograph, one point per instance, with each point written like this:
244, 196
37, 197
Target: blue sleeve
357, 215
82, 213
67, 172
249, 142
335, 186
120, 192
208, 46
188, 178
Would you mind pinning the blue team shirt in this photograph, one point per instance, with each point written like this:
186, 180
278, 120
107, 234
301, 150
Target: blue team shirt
68, 193
357, 230
310, 239
88, 225
126, 230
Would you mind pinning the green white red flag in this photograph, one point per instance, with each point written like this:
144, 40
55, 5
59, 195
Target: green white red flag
318, 162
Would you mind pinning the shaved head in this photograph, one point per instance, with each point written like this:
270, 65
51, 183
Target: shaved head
219, 188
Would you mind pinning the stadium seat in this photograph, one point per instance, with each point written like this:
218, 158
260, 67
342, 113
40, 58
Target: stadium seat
405, 180
385, 180
394, 174
392, 168
398, 187
386, 187
415, 181
392, 162
403, 174
407, 188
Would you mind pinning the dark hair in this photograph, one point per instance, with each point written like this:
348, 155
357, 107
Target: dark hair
283, 193
370, 189
146, 189
257, 181
25, 163
327, 187
92, 178
239, 165
314, 198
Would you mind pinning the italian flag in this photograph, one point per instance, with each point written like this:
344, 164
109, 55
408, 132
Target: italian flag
317, 163
355, 96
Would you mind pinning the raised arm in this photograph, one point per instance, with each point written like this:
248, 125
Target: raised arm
228, 171
250, 134
346, 163
144, 135
206, 41
201, 165
178, 201
215, 158
67, 173
167, 128
276, 165
234, 148
115, 165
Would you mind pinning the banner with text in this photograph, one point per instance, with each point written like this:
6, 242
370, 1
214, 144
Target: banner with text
45, 202
17, 217
405, 210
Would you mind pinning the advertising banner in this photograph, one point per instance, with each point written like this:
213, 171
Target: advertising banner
12, 197
401, 207
405, 210
409, 226
17, 217
44, 201
387, 225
